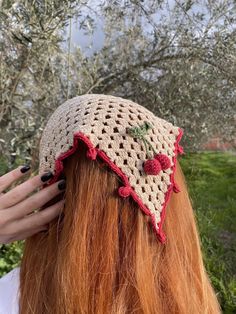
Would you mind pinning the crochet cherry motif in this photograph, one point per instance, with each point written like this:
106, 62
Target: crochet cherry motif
155, 164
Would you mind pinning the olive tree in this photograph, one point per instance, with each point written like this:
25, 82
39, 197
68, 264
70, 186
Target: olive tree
177, 58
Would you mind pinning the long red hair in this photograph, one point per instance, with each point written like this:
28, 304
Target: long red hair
101, 255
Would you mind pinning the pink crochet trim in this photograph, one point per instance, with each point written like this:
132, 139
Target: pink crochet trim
172, 187
125, 190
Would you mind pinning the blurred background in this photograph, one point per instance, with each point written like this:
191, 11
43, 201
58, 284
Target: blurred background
177, 58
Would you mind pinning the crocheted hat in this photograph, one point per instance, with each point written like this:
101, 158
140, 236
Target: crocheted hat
137, 145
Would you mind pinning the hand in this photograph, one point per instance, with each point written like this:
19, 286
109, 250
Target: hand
17, 219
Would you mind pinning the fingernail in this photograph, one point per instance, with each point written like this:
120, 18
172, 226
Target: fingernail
62, 185
46, 176
25, 168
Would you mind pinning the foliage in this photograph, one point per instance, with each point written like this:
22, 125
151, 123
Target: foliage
10, 255
176, 58
212, 182
30, 74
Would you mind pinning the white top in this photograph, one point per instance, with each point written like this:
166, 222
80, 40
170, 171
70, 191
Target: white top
9, 285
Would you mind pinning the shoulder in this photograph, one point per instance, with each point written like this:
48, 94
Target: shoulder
9, 285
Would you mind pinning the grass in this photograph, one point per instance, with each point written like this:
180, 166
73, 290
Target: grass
211, 178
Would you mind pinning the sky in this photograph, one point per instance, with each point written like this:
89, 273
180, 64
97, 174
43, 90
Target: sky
79, 38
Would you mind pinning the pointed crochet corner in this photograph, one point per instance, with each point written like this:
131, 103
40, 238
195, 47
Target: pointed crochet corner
173, 187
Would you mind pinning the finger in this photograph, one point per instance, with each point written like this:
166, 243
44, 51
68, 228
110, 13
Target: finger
39, 219
7, 179
35, 201
20, 192
25, 235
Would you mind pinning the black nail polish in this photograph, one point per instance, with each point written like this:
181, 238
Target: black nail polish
25, 168
45, 177
62, 185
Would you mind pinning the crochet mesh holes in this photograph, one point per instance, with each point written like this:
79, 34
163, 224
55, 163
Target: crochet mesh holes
123, 114
146, 189
166, 179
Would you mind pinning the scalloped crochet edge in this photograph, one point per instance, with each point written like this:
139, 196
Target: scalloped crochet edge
81, 136
173, 187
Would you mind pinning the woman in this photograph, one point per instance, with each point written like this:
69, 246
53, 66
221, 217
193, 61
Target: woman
124, 242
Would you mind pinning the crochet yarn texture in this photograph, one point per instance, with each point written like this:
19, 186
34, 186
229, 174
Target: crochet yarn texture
101, 122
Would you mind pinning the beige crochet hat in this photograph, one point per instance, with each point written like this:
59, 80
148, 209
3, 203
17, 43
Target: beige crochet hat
138, 146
